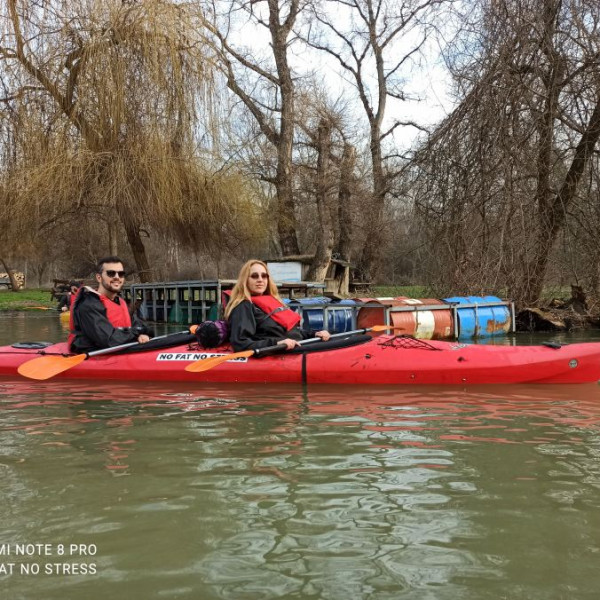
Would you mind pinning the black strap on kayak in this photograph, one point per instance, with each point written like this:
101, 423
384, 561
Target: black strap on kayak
304, 375
553, 345
335, 344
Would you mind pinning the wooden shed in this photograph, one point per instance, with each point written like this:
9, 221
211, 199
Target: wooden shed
295, 269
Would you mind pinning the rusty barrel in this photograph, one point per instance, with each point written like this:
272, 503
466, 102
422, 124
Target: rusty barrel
411, 315
481, 316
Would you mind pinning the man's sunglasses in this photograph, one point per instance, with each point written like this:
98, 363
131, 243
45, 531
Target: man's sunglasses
111, 273
259, 276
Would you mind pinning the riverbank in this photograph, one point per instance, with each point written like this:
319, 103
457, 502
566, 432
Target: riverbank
27, 299
39, 299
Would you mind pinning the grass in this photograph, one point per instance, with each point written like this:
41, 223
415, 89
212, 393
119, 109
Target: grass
25, 299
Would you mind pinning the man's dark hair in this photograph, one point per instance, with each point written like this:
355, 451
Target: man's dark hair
107, 259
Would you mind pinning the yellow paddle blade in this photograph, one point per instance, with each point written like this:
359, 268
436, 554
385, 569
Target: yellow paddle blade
46, 367
204, 365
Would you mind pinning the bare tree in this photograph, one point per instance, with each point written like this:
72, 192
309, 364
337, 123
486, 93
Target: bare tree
373, 41
266, 87
326, 181
498, 179
324, 225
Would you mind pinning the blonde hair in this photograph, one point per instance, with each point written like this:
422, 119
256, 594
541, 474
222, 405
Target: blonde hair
240, 291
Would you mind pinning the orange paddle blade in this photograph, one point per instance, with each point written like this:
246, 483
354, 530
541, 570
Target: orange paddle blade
46, 367
209, 363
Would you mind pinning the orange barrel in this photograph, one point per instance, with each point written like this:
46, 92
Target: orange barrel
436, 324
373, 313
421, 323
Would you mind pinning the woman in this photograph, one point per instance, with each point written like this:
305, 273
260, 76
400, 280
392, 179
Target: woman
257, 316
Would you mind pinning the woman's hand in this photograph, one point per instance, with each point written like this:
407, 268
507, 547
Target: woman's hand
289, 343
143, 338
324, 335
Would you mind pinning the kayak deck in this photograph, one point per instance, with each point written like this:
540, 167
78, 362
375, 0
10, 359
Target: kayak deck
384, 360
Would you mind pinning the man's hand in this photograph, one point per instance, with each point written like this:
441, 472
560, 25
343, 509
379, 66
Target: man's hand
289, 343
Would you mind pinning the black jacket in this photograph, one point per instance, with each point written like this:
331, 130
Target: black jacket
93, 330
250, 329
65, 300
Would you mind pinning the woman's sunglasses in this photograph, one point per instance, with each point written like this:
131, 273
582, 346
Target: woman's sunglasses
111, 273
259, 276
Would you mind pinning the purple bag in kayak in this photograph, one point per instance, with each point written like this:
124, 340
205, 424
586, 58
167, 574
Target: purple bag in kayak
211, 334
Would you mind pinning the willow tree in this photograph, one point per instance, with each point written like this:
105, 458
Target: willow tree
109, 101
16, 236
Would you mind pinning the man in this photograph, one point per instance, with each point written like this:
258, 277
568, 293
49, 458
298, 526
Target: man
100, 319
67, 299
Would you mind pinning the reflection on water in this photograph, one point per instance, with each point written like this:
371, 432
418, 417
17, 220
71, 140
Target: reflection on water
47, 325
279, 492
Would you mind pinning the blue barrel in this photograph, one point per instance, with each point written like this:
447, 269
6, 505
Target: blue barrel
483, 316
313, 312
341, 316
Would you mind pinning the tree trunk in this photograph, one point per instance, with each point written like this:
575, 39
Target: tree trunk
113, 246
322, 260
40, 270
286, 216
16, 286
132, 230
344, 248
554, 213
370, 262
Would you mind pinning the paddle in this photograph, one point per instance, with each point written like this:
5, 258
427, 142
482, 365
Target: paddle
45, 367
209, 363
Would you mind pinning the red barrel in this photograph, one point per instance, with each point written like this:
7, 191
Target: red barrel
420, 323
373, 313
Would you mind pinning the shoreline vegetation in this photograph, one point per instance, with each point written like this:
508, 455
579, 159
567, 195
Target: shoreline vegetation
39, 299
154, 131
553, 315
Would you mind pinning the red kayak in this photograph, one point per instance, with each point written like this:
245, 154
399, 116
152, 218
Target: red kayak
385, 360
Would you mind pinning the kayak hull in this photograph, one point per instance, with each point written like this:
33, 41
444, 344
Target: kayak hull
385, 360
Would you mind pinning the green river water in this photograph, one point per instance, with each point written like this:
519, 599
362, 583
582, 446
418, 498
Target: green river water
163, 491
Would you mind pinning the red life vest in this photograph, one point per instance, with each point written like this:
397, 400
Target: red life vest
277, 311
117, 314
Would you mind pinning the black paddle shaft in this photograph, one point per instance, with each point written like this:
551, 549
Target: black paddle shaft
270, 349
